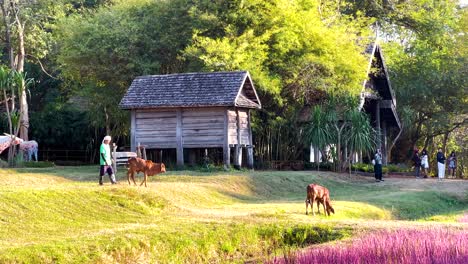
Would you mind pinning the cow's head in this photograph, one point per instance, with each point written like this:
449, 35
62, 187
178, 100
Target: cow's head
330, 208
155, 168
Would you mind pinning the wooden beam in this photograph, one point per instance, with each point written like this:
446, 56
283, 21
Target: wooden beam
226, 148
114, 157
250, 157
192, 157
386, 103
384, 142
238, 149
377, 124
180, 146
133, 131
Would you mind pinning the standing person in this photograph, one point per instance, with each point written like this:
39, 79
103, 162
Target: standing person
441, 164
105, 161
417, 163
378, 166
424, 162
452, 163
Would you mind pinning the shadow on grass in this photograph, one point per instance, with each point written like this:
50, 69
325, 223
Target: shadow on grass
287, 187
402, 203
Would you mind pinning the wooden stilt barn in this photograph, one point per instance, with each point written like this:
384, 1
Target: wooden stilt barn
379, 101
193, 110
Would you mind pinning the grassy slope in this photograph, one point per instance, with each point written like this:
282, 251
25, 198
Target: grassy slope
61, 215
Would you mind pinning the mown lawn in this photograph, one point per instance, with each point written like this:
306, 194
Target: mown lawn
61, 215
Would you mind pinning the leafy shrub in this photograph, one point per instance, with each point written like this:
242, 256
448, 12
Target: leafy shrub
363, 167
385, 169
326, 166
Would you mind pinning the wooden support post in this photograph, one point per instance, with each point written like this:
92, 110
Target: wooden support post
384, 143
138, 151
238, 149
250, 153
180, 146
377, 124
250, 160
161, 156
238, 157
226, 149
192, 157
133, 131
114, 157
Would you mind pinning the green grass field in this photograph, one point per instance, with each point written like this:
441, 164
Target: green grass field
61, 215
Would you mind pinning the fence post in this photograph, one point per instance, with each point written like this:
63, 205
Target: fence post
114, 157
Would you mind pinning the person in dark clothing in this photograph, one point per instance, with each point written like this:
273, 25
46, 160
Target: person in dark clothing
417, 163
378, 166
441, 164
452, 163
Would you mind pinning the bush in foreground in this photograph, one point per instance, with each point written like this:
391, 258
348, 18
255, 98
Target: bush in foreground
403, 246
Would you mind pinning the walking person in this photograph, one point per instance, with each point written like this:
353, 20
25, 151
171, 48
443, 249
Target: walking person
417, 163
378, 166
424, 163
441, 164
105, 161
452, 163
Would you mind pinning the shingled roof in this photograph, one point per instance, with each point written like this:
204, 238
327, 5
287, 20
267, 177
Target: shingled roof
192, 90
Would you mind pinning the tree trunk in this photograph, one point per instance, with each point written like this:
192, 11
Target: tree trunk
417, 134
338, 152
389, 151
426, 142
107, 123
10, 126
24, 111
444, 142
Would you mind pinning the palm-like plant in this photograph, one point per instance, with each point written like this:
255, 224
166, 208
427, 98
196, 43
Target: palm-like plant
360, 136
318, 131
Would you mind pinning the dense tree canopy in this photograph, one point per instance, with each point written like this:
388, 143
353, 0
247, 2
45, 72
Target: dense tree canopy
85, 53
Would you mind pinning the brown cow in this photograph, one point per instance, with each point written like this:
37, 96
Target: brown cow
319, 194
146, 166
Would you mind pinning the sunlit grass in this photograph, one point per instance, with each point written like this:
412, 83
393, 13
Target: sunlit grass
62, 215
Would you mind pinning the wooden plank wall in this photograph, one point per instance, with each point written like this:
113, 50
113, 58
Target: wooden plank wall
201, 127
232, 126
156, 129
244, 127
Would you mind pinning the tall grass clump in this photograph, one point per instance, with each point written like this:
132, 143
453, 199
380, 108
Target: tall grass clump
438, 245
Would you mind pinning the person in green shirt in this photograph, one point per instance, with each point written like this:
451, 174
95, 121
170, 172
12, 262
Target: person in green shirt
105, 161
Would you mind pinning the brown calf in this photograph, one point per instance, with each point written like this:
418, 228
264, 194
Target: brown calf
146, 166
319, 194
